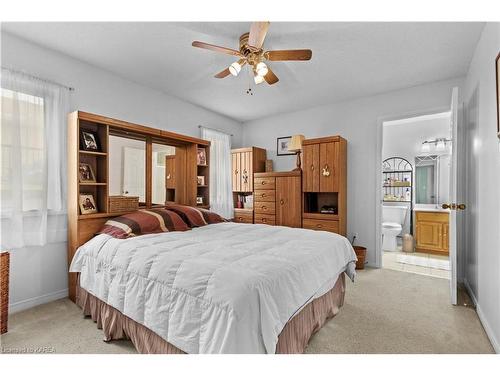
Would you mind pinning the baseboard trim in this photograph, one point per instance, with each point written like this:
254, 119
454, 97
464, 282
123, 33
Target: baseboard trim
38, 300
482, 319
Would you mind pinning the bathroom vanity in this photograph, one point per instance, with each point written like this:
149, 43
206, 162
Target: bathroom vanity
431, 230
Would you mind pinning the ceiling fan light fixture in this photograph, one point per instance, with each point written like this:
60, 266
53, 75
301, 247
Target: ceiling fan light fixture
258, 79
261, 69
235, 68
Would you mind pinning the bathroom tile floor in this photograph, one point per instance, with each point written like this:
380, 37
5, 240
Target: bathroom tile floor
390, 261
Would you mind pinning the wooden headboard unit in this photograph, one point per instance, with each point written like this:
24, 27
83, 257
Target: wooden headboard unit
81, 228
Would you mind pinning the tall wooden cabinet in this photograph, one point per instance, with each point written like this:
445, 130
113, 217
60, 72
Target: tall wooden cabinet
245, 162
277, 198
324, 184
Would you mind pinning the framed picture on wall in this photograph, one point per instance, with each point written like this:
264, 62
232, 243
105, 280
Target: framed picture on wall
497, 68
282, 146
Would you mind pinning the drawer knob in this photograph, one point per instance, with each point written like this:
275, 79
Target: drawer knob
263, 182
264, 207
282, 202
319, 226
263, 195
264, 220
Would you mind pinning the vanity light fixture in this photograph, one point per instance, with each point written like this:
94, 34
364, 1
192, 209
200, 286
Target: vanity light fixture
439, 143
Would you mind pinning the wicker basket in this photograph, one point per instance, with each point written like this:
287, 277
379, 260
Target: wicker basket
4, 291
122, 203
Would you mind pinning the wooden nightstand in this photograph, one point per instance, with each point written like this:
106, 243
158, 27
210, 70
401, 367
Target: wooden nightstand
4, 291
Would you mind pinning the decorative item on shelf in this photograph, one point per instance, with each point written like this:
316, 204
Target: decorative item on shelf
201, 157
199, 200
89, 141
248, 201
200, 180
86, 173
332, 210
123, 203
282, 144
87, 204
4, 291
295, 145
269, 165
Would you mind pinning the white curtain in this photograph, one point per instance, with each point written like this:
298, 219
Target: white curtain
33, 162
221, 192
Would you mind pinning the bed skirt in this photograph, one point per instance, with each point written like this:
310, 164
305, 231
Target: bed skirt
293, 339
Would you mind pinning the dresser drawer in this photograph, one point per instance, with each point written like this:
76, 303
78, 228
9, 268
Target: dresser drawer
263, 183
265, 219
326, 225
264, 196
264, 207
243, 217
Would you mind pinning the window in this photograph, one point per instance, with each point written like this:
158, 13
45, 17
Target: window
27, 112
33, 169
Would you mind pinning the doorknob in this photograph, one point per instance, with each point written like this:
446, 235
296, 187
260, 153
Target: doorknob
461, 206
449, 206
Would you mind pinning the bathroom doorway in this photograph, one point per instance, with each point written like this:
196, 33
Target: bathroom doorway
415, 183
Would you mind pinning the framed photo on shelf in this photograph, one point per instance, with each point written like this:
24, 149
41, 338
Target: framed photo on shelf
199, 200
200, 180
282, 146
87, 204
201, 157
86, 173
89, 141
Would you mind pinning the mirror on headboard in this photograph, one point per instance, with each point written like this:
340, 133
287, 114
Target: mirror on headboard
163, 171
128, 174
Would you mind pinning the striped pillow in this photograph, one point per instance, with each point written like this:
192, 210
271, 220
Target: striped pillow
140, 222
195, 216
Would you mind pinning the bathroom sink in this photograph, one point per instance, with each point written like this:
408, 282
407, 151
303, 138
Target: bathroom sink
429, 208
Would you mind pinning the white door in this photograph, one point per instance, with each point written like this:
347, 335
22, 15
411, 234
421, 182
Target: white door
134, 173
453, 245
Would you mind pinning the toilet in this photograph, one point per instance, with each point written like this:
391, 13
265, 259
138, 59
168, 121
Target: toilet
393, 219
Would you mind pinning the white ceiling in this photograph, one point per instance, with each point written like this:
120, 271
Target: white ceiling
349, 59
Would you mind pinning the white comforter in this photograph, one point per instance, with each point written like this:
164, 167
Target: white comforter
221, 288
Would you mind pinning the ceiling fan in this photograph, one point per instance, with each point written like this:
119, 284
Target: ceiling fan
251, 52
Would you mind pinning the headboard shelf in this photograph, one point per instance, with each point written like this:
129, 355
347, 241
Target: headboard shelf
82, 227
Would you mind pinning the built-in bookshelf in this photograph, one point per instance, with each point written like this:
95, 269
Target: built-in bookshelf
203, 172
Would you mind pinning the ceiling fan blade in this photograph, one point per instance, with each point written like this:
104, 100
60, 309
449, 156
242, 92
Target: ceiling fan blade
223, 74
215, 48
226, 71
270, 77
258, 32
289, 55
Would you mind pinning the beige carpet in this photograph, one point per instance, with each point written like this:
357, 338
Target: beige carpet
385, 311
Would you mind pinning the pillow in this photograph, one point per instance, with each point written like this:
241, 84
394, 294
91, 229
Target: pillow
140, 222
194, 216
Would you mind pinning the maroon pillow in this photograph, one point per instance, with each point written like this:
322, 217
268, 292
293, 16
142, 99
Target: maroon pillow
195, 216
140, 222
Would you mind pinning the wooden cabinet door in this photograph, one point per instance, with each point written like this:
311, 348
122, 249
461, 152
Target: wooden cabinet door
170, 171
328, 167
245, 171
446, 238
250, 171
236, 171
288, 202
429, 235
310, 167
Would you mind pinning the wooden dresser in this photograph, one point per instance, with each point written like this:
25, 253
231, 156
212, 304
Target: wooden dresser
277, 198
431, 232
245, 162
324, 184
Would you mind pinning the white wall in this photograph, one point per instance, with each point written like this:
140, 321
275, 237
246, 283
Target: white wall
483, 177
39, 274
357, 121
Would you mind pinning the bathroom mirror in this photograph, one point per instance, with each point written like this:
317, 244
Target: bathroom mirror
432, 179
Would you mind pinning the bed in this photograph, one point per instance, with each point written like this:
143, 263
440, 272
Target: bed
220, 288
